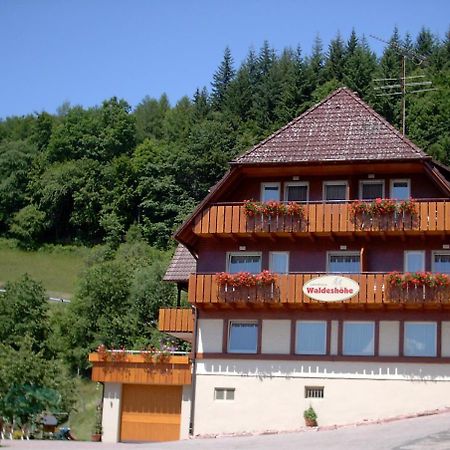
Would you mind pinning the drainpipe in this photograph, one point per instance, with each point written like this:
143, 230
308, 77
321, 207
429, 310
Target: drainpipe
194, 369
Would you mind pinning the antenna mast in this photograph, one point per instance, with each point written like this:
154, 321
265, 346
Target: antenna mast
390, 87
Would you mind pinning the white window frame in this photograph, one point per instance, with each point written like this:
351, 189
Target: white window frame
225, 391
230, 254
321, 322
296, 183
250, 352
420, 323
372, 353
363, 182
271, 263
405, 259
343, 253
270, 184
402, 180
331, 183
437, 252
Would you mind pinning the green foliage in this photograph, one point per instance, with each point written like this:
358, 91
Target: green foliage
23, 313
88, 174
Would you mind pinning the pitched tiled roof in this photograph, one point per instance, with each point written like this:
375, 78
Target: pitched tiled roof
181, 266
340, 128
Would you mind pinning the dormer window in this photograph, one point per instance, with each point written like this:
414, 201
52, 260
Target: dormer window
296, 191
371, 189
335, 190
270, 191
400, 189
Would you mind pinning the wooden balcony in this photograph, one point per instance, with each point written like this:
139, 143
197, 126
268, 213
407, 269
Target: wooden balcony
223, 220
140, 368
287, 291
178, 322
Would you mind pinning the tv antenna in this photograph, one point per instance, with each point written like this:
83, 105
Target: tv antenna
391, 87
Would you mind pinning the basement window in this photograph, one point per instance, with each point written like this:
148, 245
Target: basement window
224, 393
314, 391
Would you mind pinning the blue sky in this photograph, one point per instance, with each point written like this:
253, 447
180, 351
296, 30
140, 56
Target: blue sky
84, 51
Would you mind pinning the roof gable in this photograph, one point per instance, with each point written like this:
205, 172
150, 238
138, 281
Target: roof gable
181, 265
340, 128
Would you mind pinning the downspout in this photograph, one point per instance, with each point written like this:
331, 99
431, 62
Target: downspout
194, 370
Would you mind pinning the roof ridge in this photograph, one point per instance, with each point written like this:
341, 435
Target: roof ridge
384, 121
292, 122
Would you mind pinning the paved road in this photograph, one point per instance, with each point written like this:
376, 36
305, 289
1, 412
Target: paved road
423, 433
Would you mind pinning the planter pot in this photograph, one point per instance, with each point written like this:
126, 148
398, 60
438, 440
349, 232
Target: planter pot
310, 422
96, 437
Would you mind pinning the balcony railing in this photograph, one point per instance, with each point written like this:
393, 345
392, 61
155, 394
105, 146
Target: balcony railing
225, 219
176, 320
374, 288
141, 367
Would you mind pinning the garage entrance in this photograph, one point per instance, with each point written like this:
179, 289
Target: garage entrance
150, 413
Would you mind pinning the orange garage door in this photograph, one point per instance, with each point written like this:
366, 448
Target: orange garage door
150, 413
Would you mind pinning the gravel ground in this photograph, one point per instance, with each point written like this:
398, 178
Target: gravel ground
422, 433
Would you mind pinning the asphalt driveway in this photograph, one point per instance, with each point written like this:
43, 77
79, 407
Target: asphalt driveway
422, 433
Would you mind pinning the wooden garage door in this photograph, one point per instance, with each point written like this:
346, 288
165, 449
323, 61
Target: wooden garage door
150, 413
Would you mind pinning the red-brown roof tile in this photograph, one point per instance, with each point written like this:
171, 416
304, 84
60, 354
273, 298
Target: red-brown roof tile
181, 266
340, 128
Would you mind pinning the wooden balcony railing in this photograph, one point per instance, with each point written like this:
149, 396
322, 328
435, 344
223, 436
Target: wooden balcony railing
140, 368
176, 320
374, 288
225, 219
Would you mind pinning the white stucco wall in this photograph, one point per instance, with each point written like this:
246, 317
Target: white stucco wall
389, 338
185, 412
210, 335
111, 412
276, 336
269, 395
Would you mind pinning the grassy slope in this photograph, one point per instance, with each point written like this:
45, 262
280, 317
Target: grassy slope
57, 269
82, 419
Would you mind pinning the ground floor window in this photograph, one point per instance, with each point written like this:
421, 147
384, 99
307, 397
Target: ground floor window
311, 337
359, 338
420, 339
243, 337
224, 393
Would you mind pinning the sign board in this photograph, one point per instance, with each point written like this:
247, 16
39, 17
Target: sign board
331, 288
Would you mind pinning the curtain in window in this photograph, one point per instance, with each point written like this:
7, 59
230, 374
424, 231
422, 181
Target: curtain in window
371, 191
243, 337
297, 193
442, 263
245, 263
311, 338
336, 192
344, 263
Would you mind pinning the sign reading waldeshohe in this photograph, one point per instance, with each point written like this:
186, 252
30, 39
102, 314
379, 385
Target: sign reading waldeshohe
331, 288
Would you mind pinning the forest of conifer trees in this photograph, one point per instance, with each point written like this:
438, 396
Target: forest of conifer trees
85, 175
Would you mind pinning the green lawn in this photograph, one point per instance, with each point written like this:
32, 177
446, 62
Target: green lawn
56, 267
82, 419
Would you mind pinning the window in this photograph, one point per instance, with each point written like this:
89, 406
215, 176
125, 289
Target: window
314, 391
270, 191
244, 262
224, 393
243, 337
420, 339
441, 262
335, 190
414, 261
279, 262
311, 337
296, 191
400, 189
344, 262
359, 338
371, 189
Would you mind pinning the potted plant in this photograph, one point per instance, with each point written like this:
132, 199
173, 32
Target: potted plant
310, 417
97, 431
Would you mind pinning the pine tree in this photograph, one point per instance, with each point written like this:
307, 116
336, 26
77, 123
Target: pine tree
336, 58
222, 79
